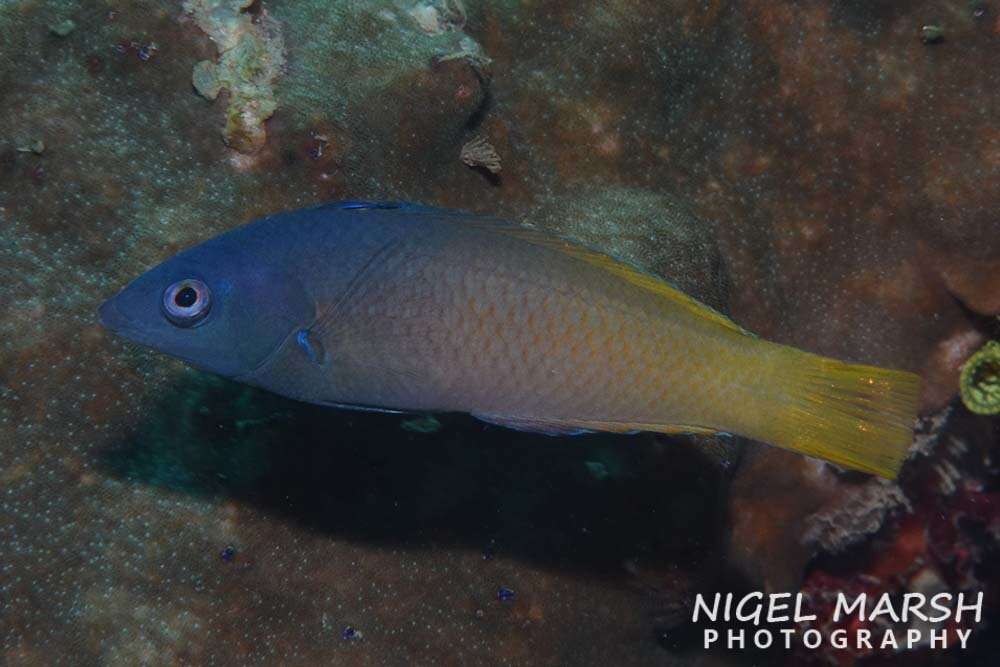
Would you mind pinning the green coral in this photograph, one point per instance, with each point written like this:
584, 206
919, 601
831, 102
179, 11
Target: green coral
205, 78
378, 43
980, 380
207, 436
426, 424
63, 28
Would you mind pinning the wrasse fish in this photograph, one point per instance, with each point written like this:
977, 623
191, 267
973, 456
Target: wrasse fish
403, 307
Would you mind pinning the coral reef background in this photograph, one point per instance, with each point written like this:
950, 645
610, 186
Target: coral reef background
817, 169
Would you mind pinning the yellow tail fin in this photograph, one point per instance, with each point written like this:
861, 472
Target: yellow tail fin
860, 417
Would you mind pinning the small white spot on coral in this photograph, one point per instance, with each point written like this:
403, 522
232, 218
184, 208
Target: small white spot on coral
428, 19
241, 161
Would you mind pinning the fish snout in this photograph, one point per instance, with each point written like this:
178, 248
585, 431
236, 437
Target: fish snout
111, 318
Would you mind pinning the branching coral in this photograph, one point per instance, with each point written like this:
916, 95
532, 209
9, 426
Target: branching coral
480, 153
251, 55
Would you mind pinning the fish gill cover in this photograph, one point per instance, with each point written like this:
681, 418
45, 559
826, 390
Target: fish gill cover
829, 170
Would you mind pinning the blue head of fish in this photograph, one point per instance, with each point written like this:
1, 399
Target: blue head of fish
224, 306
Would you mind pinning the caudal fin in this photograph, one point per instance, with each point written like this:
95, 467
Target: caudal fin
860, 417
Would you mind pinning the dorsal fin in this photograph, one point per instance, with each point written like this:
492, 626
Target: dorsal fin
636, 276
642, 279
361, 205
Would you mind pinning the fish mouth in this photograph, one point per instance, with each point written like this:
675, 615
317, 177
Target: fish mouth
114, 320
111, 318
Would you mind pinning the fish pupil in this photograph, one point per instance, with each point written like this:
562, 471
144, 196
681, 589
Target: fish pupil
186, 297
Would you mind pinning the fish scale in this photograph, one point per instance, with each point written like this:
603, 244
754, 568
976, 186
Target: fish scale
566, 354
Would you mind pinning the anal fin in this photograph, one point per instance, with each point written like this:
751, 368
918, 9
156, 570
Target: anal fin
580, 426
545, 427
359, 408
636, 427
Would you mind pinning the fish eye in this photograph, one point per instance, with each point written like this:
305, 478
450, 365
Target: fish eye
187, 302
